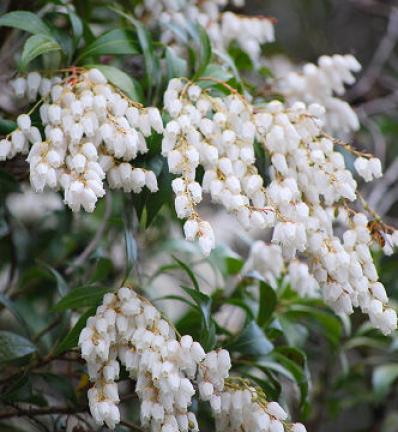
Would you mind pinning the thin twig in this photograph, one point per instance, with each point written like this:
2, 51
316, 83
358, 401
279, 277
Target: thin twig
32, 412
46, 329
78, 262
381, 56
130, 425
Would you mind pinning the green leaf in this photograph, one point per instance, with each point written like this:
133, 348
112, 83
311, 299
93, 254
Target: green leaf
152, 66
155, 202
251, 341
36, 45
13, 346
226, 260
118, 41
72, 338
204, 51
131, 244
62, 286
7, 126
26, 21
9, 304
175, 297
189, 272
271, 387
295, 362
383, 378
120, 79
330, 323
241, 304
267, 303
61, 384
102, 270
20, 390
88, 295
208, 329
176, 66
203, 302
216, 72
77, 26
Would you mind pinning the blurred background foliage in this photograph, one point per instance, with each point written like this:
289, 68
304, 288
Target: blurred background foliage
335, 374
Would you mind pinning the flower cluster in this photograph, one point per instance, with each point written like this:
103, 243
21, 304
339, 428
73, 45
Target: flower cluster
310, 181
250, 33
319, 84
30, 207
245, 408
223, 28
368, 168
30, 87
128, 330
92, 131
217, 134
267, 260
309, 184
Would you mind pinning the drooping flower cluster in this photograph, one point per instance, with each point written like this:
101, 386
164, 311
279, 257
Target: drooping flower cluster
217, 134
309, 183
223, 28
245, 408
92, 131
30, 206
319, 84
127, 330
267, 260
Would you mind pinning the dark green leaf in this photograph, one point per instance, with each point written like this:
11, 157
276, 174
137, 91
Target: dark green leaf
7, 126
189, 272
203, 302
36, 45
9, 304
294, 361
59, 383
13, 346
130, 242
267, 303
102, 270
88, 295
330, 323
20, 390
72, 338
62, 286
204, 51
241, 304
118, 41
176, 66
271, 386
77, 26
152, 66
251, 341
155, 201
215, 72
151, 61
226, 260
26, 21
175, 297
